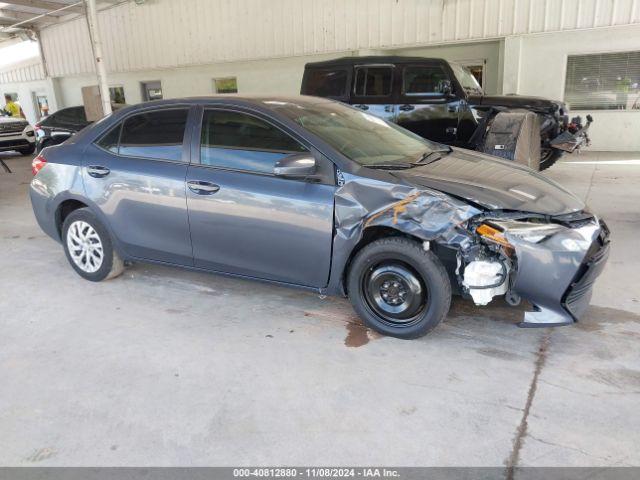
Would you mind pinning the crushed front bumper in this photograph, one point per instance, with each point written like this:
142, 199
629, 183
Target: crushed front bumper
557, 276
570, 142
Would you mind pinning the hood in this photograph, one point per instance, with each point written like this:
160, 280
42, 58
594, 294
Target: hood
492, 183
539, 104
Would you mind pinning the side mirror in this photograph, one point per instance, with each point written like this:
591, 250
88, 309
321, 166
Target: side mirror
297, 165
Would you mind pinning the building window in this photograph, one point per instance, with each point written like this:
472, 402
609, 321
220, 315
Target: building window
606, 81
225, 85
117, 95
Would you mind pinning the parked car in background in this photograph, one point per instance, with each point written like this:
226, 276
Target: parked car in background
439, 100
59, 126
312, 193
16, 134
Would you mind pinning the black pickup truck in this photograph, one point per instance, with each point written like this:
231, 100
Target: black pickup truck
441, 101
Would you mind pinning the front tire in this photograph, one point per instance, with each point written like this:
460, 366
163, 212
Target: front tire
398, 288
88, 247
27, 150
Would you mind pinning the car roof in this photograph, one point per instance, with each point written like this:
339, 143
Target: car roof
348, 61
261, 102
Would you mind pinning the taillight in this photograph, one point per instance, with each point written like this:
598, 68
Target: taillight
38, 163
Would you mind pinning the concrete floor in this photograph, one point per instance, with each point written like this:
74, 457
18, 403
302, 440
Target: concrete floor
168, 367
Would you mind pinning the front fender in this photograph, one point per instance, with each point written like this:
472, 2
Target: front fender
363, 203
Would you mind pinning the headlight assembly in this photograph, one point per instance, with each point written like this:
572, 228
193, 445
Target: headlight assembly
500, 231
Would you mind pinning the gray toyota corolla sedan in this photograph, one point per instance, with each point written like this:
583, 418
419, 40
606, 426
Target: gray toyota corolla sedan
311, 193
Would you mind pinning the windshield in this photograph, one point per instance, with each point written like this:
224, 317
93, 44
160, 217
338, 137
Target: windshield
466, 79
359, 136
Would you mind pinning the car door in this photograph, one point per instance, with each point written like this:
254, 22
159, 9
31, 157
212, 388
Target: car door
373, 90
135, 174
427, 105
246, 220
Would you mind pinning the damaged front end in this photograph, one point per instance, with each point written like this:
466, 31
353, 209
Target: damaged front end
549, 261
552, 262
573, 135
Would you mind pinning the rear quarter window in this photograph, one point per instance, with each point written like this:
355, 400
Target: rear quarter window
329, 83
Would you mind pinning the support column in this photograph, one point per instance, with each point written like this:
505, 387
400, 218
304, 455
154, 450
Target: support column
511, 58
96, 46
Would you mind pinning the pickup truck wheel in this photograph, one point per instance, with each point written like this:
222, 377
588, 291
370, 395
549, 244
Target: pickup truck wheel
89, 248
398, 288
549, 156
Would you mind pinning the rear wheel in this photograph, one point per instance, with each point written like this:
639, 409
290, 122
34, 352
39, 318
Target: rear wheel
89, 248
398, 288
549, 156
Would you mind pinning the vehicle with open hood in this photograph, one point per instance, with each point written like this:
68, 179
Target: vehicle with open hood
443, 101
312, 193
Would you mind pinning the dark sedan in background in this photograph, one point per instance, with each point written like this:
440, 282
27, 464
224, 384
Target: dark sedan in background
312, 193
59, 126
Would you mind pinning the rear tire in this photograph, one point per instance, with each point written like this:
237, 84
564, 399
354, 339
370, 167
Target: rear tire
89, 248
549, 156
398, 288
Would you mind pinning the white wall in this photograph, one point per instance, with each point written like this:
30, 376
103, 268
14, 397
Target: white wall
488, 50
180, 33
281, 76
541, 69
26, 78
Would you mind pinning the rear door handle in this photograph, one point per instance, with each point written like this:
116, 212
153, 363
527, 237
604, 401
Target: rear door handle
97, 171
407, 108
203, 188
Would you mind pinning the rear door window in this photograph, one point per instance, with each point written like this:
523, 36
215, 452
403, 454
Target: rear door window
157, 134
240, 141
373, 81
424, 80
331, 83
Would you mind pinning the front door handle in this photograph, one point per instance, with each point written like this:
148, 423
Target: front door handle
97, 171
407, 108
203, 188
362, 106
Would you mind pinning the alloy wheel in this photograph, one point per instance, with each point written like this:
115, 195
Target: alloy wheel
85, 246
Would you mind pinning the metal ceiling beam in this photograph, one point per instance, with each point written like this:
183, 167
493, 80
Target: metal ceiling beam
15, 17
44, 5
41, 16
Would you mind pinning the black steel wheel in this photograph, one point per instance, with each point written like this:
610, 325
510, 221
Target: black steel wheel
394, 292
398, 288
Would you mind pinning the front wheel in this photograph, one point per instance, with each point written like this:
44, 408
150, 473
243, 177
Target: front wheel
27, 150
398, 288
89, 248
